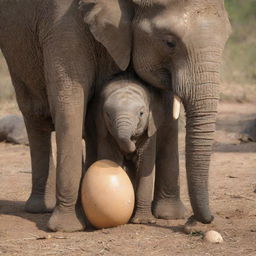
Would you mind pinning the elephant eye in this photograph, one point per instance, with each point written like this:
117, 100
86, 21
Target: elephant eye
171, 44
141, 113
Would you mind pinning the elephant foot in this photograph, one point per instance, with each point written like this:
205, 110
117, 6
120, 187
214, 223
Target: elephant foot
192, 226
40, 204
68, 220
143, 219
169, 209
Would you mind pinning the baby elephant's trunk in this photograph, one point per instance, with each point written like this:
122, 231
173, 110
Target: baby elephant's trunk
124, 134
127, 145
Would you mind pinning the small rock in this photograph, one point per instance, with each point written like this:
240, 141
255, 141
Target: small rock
12, 129
232, 177
245, 138
213, 237
44, 237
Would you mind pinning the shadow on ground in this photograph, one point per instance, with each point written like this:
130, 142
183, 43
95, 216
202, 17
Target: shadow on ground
249, 147
236, 132
17, 208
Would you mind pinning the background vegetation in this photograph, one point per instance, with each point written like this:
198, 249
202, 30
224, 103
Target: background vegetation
239, 64
240, 54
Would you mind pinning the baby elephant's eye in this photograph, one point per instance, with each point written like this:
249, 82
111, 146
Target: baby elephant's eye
141, 113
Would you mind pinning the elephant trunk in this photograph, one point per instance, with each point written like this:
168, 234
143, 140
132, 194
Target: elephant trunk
201, 110
123, 136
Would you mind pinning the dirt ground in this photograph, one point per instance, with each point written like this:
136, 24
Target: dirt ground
232, 193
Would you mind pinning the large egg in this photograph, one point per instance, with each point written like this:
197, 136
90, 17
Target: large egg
107, 195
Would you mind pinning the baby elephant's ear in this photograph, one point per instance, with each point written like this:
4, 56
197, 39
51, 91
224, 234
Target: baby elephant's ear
110, 23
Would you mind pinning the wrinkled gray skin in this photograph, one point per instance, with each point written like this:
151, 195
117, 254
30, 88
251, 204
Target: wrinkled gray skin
122, 123
12, 129
54, 61
177, 45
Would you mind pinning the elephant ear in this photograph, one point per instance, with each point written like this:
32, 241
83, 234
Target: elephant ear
156, 114
110, 23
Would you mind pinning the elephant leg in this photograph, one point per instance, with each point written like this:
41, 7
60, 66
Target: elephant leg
67, 215
43, 195
106, 149
91, 153
69, 75
91, 140
145, 183
167, 203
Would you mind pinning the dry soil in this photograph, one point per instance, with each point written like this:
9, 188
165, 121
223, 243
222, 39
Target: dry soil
232, 193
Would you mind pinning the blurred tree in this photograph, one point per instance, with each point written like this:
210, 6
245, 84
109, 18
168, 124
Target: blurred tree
240, 55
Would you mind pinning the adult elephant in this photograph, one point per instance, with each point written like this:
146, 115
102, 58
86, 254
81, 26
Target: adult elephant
177, 45
54, 62
56, 65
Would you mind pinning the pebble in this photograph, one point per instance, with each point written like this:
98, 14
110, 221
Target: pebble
213, 237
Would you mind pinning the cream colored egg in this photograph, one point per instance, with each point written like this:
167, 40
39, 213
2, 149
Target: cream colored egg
107, 195
213, 237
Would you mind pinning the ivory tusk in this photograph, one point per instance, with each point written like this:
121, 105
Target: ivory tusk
176, 107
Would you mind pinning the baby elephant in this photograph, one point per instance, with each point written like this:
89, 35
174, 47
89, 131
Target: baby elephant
123, 120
